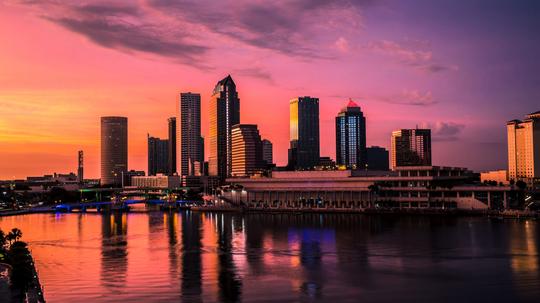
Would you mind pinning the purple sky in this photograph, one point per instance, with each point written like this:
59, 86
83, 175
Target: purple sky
462, 68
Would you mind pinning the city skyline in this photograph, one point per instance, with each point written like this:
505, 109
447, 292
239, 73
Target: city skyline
464, 94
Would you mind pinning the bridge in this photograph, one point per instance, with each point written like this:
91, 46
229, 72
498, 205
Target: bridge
145, 192
123, 205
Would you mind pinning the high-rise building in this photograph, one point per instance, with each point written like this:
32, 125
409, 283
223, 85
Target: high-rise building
351, 137
80, 168
524, 148
189, 134
172, 146
304, 150
158, 156
201, 148
246, 150
224, 113
377, 158
267, 152
114, 149
411, 147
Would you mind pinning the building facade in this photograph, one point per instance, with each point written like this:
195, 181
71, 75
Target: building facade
524, 148
172, 145
114, 149
304, 152
188, 148
411, 147
158, 156
378, 158
224, 113
158, 181
247, 150
267, 152
347, 190
351, 137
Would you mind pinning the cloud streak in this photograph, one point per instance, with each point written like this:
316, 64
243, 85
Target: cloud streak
411, 53
444, 131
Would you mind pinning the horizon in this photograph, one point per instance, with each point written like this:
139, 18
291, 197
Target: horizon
405, 65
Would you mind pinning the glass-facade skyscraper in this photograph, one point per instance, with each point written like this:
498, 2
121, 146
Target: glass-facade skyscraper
304, 150
224, 113
158, 156
411, 147
351, 137
172, 146
188, 137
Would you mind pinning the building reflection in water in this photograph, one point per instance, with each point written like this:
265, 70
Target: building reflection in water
171, 221
114, 256
229, 282
191, 257
311, 241
524, 237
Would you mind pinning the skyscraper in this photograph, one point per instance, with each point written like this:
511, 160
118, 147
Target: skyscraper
189, 134
114, 149
524, 148
351, 137
246, 150
304, 151
377, 158
158, 156
267, 150
172, 146
224, 113
411, 147
80, 168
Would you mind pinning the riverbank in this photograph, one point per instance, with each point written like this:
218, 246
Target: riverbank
517, 214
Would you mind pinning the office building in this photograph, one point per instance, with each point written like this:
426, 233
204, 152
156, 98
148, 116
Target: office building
411, 147
188, 134
158, 181
304, 150
378, 158
114, 149
497, 176
224, 113
127, 180
172, 146
267, 152
158, 156
80, 167
524, 148
246, 150
351, 137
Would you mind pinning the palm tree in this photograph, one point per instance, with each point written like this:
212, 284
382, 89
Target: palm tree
14, 235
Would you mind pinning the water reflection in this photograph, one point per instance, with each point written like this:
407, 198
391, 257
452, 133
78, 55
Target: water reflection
191, 257
194, 257
114, 255
229, 283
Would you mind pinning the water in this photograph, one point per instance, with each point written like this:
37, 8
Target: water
203, 257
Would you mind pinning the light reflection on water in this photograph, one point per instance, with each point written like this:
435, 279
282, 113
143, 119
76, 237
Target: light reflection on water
203, 257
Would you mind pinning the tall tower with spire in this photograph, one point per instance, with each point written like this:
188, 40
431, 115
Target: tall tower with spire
224, 113
351, 137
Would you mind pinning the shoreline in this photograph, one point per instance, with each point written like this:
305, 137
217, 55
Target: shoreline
516, 214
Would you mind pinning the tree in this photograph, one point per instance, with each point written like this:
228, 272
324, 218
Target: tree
521, 185
14, 235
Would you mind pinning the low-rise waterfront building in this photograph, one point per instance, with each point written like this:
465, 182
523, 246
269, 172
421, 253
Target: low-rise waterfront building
406, 187
499, 176
158, 181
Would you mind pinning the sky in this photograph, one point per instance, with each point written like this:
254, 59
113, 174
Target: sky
462, 68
